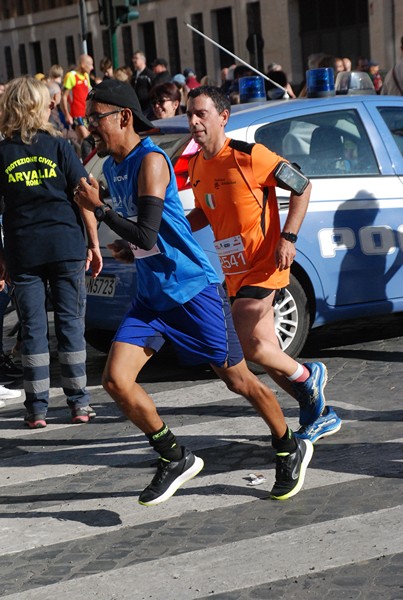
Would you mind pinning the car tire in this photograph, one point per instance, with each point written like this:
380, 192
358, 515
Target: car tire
292, 317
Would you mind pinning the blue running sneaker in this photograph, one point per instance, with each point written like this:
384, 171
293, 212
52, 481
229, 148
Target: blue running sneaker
327, 424
310, 393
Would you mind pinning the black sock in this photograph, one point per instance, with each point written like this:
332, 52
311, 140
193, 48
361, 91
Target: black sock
164, 442
285, 444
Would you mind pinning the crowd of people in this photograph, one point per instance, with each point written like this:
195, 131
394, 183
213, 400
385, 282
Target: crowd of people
51, 208
69, 88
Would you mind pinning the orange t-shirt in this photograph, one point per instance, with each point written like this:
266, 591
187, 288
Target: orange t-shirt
247, 255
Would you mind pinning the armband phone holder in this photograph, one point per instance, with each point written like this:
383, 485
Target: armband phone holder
289, 177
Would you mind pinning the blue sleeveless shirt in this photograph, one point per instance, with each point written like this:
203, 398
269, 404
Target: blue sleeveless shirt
176, 269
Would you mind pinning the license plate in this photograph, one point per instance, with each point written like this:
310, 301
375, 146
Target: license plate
100, 286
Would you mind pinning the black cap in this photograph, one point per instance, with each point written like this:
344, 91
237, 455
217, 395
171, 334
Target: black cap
120, 93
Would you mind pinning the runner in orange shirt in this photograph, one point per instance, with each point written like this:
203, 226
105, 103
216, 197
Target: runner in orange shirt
234, 187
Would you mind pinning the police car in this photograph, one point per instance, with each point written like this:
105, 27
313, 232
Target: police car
350, 246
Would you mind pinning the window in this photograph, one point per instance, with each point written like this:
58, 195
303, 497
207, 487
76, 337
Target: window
146, 40
106, 43
223, 31
127, 45
254, 40
37, 54
23, 59
393, 118
71, 55
53, 52
173, 46
332, 144
9, 62
199, 51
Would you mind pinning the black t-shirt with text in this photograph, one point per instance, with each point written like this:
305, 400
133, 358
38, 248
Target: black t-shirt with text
41, 221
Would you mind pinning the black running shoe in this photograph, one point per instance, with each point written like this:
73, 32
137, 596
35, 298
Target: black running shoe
290, 470
169, 477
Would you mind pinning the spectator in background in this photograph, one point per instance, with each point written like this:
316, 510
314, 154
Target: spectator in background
76, 86
106, 67
229, 78
347, 64
160, 70
57, 119
362, 64
142, 80
333, 62
165, 101
123, 74
275, 93
274, 67
207, 80
180, 81
312, 63
45, 244
223, 76
239, 71
191, 79
9, 371
393, 81
373, 72
55, 74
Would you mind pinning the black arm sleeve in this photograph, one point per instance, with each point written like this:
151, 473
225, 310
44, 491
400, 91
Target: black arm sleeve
144, 233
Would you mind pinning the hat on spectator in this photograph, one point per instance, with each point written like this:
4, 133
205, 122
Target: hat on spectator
120, 93
189, 73
373, 63
179, 79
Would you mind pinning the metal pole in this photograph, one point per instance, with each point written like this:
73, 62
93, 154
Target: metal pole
84, 26
240, 60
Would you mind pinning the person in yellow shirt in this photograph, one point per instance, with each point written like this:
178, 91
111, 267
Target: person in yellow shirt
76, 86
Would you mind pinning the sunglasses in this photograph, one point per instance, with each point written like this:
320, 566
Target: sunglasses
95, 118
160, 101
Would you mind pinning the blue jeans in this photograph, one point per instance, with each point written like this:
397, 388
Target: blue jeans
67, 285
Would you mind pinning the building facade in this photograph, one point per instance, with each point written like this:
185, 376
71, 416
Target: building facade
34, 34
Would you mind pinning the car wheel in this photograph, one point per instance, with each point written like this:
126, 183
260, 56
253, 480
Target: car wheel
292, 318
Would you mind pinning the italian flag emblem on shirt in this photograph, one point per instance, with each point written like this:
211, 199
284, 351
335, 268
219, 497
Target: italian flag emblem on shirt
209, 199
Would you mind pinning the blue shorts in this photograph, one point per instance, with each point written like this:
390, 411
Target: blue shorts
201, 330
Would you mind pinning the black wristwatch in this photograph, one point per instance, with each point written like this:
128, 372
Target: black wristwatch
100, 212
290, 237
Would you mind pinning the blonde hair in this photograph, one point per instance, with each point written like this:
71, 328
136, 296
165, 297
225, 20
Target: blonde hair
23, 109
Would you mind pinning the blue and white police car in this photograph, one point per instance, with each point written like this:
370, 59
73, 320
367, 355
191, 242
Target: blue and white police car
350, 246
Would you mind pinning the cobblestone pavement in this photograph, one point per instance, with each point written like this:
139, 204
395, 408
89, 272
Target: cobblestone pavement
72, 528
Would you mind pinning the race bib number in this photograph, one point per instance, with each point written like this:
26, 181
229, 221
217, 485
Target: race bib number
140, 253
231, 253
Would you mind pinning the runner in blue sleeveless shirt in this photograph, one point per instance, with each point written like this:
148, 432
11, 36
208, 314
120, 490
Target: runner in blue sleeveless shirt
179, 297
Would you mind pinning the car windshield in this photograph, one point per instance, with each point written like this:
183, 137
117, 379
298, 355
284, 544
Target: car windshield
171, 143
